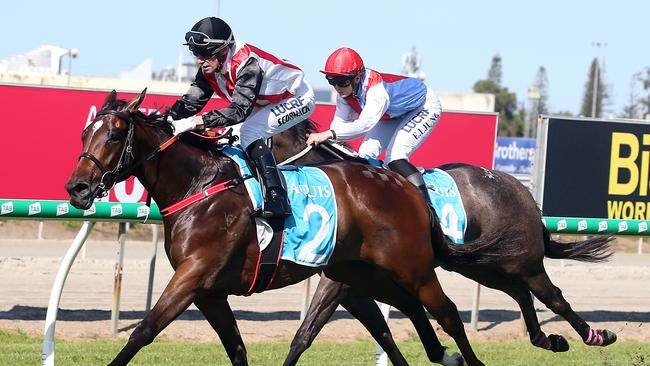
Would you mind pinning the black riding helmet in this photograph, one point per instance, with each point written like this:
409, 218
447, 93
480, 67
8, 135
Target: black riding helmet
209, 36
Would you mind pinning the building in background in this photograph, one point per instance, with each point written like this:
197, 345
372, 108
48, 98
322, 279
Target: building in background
45, 60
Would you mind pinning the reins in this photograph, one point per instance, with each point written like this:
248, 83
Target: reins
329, 147
297, 156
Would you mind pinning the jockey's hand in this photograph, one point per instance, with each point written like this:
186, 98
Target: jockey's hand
186, 124
318, 137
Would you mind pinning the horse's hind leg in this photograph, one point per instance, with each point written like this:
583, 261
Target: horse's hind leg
552, 297
329, 294
366, 310
518, 290
446, 313
219, 314
176, 297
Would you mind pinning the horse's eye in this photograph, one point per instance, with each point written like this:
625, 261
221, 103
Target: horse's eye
114, 136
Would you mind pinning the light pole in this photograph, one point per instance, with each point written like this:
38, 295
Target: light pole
71, 53
594, 96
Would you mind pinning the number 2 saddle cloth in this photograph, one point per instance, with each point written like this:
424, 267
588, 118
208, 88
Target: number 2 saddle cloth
310, 232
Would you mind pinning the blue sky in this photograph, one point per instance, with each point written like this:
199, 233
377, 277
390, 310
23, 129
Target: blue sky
456, 39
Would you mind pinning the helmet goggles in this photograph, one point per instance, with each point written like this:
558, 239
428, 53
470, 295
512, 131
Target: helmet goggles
340, 80
201, 45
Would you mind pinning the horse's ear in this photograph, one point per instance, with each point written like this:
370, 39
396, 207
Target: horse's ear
110, 99
135, 103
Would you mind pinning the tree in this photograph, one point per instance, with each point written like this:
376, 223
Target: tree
563, 113
646, 85
494, 74
510, 123
596, 77
634, 107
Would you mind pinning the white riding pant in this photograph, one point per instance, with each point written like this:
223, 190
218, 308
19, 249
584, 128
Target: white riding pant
272, 119
401, 136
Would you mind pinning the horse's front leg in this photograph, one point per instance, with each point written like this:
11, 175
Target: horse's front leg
219, 314
177, 296
325, 301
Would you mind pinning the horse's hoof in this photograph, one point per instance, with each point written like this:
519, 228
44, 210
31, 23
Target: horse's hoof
600, 337
558, 343
609, 337
454, 360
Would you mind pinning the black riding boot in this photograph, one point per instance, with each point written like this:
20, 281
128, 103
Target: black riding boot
276, 203
412, 174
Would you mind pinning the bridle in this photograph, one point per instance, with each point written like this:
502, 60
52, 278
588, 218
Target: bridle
125, 165
109, 177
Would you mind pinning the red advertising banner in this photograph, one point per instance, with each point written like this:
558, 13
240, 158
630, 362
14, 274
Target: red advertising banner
41, 139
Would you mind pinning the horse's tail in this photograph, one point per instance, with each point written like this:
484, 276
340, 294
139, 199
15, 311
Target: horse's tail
489, 248
597, 249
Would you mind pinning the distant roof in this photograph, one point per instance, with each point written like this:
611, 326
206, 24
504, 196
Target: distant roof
45, 60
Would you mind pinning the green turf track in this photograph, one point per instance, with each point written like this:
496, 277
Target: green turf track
18, 349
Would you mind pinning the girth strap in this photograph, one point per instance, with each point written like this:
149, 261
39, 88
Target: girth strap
269, 259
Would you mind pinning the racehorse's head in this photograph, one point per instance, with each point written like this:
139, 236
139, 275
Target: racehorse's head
107, 151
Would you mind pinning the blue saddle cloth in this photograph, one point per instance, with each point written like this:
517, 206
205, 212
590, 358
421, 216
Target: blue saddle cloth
310, 232
447, 203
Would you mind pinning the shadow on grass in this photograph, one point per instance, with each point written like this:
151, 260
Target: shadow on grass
491, 316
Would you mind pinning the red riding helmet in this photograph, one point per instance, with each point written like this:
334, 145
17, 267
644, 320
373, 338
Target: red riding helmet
343, 62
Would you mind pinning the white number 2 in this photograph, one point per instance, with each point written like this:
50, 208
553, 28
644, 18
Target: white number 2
307, 253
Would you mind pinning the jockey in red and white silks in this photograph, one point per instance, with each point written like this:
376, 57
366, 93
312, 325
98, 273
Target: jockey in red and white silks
279, 100
284, 97
396, 113
267, 95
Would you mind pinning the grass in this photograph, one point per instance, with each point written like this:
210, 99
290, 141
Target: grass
18, 349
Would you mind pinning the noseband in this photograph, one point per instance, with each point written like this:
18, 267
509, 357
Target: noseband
109, 178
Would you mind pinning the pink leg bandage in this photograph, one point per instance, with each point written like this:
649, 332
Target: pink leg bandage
541, 340
595, 338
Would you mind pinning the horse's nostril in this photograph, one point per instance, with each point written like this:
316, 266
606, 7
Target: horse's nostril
78, 188
81, 187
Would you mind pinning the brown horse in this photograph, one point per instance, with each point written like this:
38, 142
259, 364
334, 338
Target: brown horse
494, 202
212, 244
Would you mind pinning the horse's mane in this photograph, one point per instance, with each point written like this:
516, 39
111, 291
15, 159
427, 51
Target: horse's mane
155, 118
302, 130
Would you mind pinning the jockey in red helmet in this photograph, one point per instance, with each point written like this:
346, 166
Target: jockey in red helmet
267, 95
395, 113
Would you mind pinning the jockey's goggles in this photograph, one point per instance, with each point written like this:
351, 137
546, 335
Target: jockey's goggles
209, 52
203, 52
194, 38
340, 81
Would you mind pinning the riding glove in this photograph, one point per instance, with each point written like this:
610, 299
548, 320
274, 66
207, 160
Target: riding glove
182, 125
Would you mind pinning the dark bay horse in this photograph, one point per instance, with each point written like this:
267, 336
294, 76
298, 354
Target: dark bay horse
212, 244
494, 201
